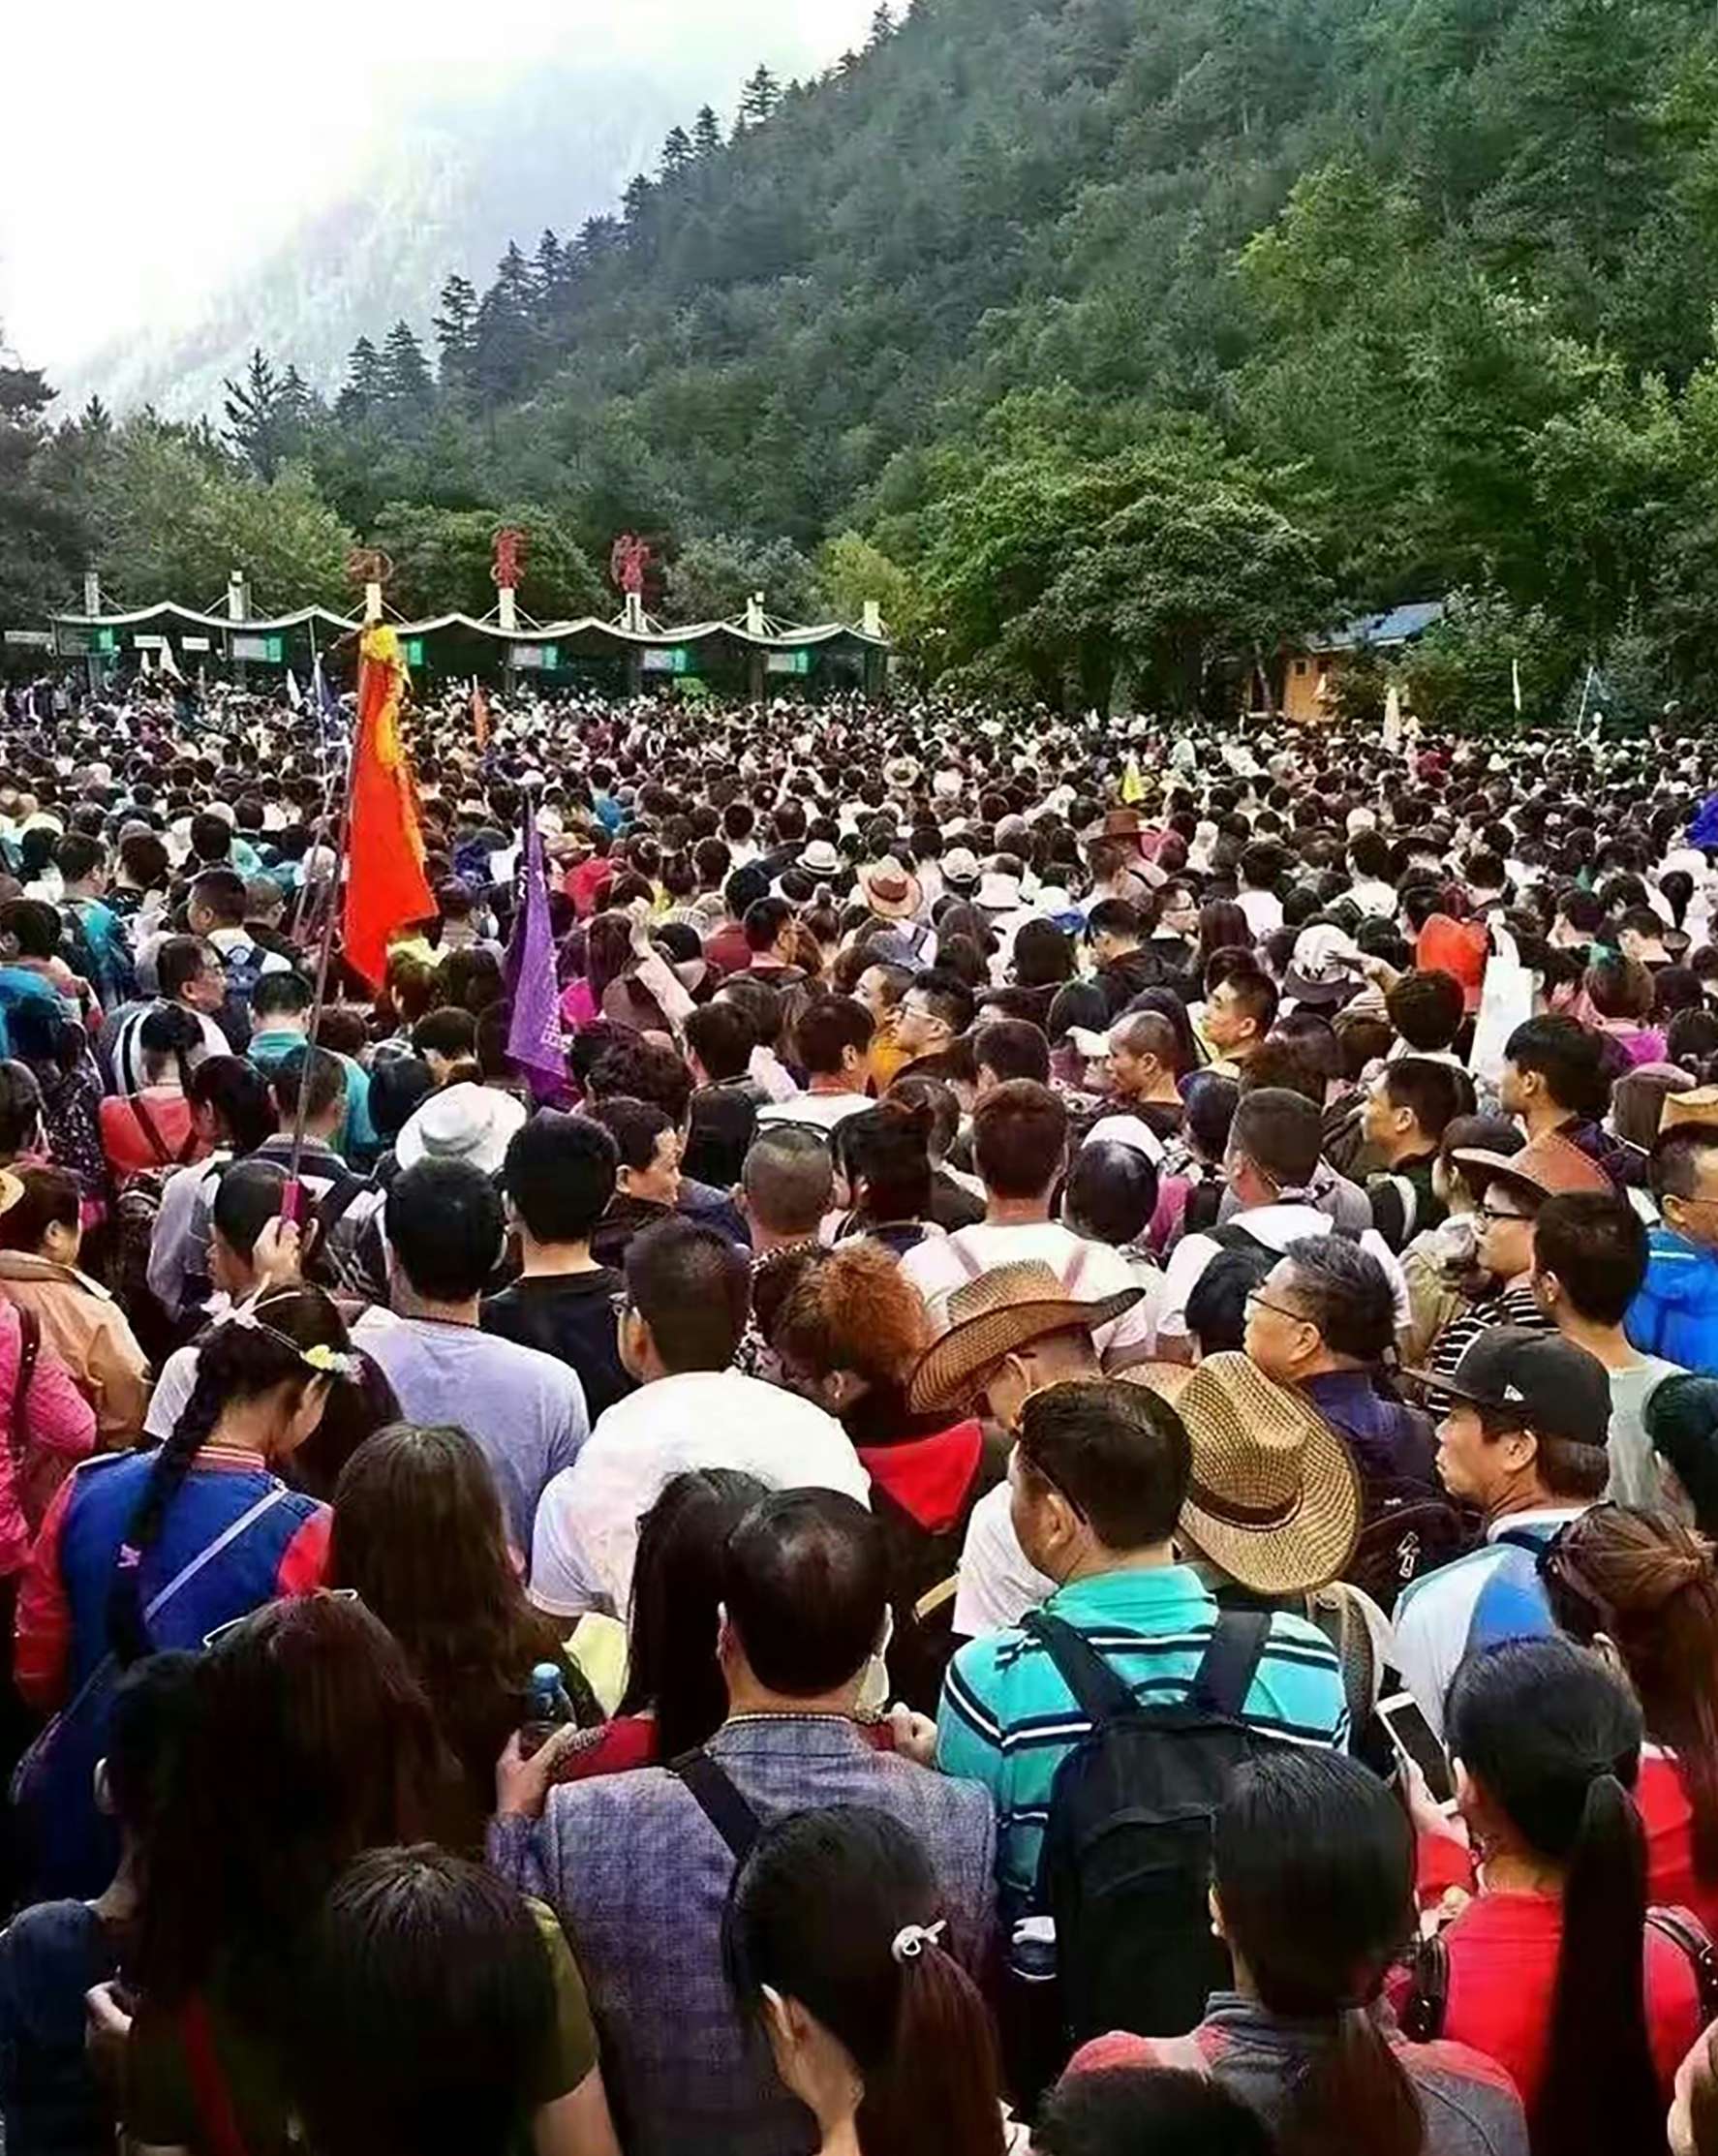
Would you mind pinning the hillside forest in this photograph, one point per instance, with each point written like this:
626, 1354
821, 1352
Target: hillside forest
1111, 343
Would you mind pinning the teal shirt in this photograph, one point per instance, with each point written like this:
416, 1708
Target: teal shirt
356, 1140
1008, 1720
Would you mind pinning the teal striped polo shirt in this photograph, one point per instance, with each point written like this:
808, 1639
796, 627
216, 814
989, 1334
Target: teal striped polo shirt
1008, 1720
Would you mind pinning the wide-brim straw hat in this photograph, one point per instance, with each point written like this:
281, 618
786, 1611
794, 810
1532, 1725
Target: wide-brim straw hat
1274, 1499
1004, 1310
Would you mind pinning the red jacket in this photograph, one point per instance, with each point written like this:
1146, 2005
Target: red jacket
59, 1430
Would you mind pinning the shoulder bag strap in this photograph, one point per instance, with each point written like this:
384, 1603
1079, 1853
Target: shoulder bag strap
208, 2083
1098, 1691
1685, 1931
277, 1494
1230, 1663
29, 1346
964, 1257
1076, 1265
713, 1790
146, 1123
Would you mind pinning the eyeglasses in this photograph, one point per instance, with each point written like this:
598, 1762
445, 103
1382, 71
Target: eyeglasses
238, 1623
1491, 1217
1260, 1301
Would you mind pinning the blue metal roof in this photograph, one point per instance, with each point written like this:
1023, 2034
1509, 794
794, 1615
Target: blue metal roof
1400, 624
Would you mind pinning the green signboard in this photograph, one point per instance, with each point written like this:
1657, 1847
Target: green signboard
675, 659
788, 663
105, 640
415, 651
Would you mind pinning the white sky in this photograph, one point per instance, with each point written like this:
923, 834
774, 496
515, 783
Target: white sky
167, 142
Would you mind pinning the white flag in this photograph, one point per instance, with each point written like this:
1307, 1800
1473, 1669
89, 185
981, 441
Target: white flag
168, 663
293, 694
1515, 669
1393, 720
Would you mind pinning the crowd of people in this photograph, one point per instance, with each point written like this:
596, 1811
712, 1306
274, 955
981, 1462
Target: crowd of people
1055, 1494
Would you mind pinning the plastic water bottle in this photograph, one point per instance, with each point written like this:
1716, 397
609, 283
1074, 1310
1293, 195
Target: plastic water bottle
547, 1709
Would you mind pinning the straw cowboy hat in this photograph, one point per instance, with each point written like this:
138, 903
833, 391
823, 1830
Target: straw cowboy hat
1548, 1168
993, 1316
1274, 1499
462, 1123
892, 892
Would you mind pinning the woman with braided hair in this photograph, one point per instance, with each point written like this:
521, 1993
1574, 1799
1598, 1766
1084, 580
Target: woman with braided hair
145, 1551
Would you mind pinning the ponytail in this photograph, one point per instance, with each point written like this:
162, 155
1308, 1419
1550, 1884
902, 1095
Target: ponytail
126, 1634
934, 2093
1600, 2092
1354, 2094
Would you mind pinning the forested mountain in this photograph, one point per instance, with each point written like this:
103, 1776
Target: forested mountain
1108, 337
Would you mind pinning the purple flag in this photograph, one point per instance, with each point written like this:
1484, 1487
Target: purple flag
534, 1035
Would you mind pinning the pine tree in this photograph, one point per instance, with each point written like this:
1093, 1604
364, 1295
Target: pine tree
635, 200
456, 328
758, 100
677, 153
95, 417
706, 131
362, 388
406, 379
548, 267
883, 26
255, 418
504, 337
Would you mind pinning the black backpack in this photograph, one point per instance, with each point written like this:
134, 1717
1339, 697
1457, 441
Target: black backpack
1125, 1867
1407, 1528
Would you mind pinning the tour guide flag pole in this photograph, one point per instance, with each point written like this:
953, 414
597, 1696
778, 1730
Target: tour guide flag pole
380, 846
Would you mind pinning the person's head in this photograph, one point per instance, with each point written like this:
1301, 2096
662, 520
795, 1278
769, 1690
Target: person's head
1325, 1305
1526, 1423
1427, 1009
833, 1943
721, 1039
281, 1003
1114, 928
1553, 1067
1589, 1257
831, 1040
1127, 2110
211, 837
1680, 1418
672, 1670
1682, 1170
1621, 989
852, 1324
1312, 1888
647, 1149
885, 1155
144, 864
1411, 1104
321, 1076
1546, 1738
1144, 1056
425, 2009
189, 971
1275, 1143
688, 1295
560, 1177
444, 1228
169, 1046
935, 1008
1694, 2111
1008, 1048
644, 1071
769, 928
1043, 955
1638, 1586
1098, 1473
1111, 1192
216, 901
312, 1742
787, 1182
1020, 1134
447, 1040
46, 1219
1240, 1011
805, 1597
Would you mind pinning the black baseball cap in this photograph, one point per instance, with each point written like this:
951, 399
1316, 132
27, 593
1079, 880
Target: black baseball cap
1560, 1388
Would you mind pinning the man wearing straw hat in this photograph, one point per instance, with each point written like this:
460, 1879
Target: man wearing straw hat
1101, 1476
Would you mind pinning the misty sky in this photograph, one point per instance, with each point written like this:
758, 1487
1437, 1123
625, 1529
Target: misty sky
167, 144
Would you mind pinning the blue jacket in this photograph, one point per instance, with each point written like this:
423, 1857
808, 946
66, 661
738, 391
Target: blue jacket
1676, 1313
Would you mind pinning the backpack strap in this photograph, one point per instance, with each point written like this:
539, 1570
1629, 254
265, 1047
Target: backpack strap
1098, 1690
712, 1790
1230, 1663
1427, 2001
964, 1257
157, 1145
29, 1346
1685, 1931
1232, 1236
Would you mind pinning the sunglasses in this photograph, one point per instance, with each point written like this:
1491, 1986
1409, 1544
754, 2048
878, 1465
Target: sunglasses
238, 1623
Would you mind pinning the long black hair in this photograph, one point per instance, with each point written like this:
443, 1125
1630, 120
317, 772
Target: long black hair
1314, 1870
676, 1588
1552, 1736
235, 1362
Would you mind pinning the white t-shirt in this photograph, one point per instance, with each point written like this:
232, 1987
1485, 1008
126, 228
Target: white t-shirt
822, 1110
1090, 1271
1263, 913
586, 1523
1376, 900
1276, 1226
999, 1583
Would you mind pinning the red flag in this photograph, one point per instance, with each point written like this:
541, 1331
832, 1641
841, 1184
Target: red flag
385, 885
481, 715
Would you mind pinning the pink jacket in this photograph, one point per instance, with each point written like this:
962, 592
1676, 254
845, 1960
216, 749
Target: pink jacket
59, 1430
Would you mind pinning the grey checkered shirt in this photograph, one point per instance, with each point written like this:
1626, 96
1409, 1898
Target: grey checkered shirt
639, 1878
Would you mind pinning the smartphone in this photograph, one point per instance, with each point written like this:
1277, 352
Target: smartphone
1411, 1737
